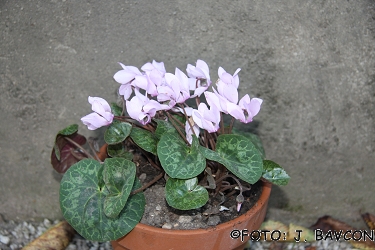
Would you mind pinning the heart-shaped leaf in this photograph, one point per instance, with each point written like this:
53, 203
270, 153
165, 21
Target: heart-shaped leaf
179, 160
185, 194
117, 132
71, 129
163, 127
239, 155
82, 196
119, 150
118, 176
144, 139
274, 173
254, 139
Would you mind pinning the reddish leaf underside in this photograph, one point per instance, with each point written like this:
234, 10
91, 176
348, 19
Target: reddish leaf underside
69, 153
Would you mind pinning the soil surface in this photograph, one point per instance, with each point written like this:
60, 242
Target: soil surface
219, 209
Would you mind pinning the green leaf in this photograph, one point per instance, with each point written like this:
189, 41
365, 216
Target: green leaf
116, 110
118, 150
144, 139
254, 139
179, 160
118, 176
239, 155
117, 132
274, 173
185, 194
180, 118
163, 127
82, 195
71, 129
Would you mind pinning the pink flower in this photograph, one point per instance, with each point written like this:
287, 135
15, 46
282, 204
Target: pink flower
227, 85
208, 119
189, 132
159, 66
155, 71
199, 79
144, 82
102, 115
142, 109
175, 90
250, 107
223, 105
125, 77
245, 110
239, 206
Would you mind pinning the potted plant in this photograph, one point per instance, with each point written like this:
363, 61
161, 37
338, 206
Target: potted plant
178, 122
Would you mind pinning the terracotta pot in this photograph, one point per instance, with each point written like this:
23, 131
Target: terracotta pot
219, 237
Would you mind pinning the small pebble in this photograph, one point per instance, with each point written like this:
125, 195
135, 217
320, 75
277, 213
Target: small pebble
158, 207
184, 219
213, 220
4, 239
15, 235
47, 223
167, 226
142, 177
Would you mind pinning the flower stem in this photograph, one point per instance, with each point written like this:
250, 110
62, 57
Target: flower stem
187, 119
148, 184
178, 130
123, 118
212, 142
206, 138
197, 101
222, 123
231, 176
231, 125
79, 146
123, 105
176, 120
90, 142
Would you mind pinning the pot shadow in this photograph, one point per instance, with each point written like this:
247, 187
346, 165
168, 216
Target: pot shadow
278, 198
57, 176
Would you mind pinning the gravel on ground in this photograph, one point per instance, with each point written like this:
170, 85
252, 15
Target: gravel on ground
16, 235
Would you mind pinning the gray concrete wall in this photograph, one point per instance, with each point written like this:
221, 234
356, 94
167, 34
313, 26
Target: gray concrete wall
311, 61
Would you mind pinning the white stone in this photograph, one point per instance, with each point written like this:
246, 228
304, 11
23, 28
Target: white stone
142, 177
47, 223
31, 229
167, 226
4, 239
184, 219
222, 208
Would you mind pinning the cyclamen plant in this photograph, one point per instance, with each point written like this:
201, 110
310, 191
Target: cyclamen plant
191, 147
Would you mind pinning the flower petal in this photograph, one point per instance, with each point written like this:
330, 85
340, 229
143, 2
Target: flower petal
94, 121
123, 76
125, 90
236, 111
103, 103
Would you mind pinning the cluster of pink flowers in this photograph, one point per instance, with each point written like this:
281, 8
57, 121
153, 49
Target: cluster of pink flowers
153, 89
